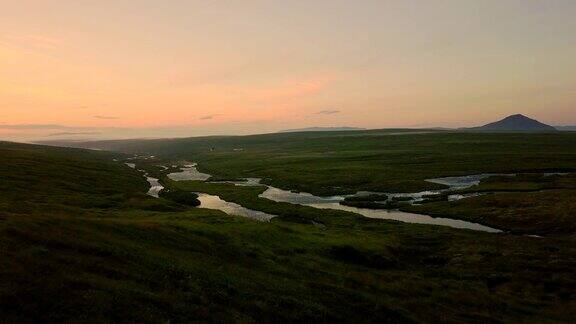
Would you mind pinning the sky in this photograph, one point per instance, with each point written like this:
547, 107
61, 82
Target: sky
168, 68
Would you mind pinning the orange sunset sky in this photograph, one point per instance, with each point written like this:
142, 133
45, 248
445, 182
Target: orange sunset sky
144, 68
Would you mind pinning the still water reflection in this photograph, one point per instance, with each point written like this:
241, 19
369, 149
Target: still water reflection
301, 198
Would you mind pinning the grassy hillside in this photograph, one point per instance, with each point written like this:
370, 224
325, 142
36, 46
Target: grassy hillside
345, 162
40, 179
139, 259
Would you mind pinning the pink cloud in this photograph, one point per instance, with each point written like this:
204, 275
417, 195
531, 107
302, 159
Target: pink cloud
33, 41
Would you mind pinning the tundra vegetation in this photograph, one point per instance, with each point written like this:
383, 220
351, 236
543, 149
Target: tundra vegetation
81, 241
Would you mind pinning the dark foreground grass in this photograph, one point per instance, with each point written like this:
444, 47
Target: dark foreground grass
127, 262
209, 267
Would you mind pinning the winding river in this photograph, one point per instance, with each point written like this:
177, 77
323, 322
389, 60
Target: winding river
190, 172
155, 186
215, 202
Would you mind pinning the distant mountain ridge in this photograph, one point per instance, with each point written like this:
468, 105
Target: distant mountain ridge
516, 123
321, 129
566, 128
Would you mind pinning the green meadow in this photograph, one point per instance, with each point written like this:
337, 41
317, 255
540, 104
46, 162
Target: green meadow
80, 241
327, 163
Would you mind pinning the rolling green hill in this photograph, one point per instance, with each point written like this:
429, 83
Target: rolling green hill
80, 241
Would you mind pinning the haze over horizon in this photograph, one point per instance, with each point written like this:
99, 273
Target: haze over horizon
119, 69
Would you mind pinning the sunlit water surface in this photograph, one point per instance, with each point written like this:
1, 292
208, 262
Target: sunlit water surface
301, 198
155, 186
188, 173
215, 202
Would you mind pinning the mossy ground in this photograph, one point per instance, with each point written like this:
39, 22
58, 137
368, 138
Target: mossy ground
80, 241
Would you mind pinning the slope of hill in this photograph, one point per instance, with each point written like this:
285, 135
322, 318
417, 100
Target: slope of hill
516, 123
321, 129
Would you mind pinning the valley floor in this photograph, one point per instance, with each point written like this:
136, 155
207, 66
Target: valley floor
81, 241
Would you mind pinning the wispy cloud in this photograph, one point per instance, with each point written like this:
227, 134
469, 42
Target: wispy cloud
34, 126
208, 117
74, 133
327, 112
105, 117
32, 41
54, 127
